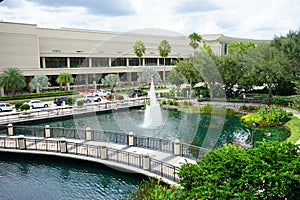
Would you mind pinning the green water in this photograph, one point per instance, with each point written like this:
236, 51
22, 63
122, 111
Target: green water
39, 177
201, 130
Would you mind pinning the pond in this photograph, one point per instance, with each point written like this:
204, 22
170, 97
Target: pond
208, 131
40, 177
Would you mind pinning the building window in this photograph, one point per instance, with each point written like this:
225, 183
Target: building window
134, 76
167, 61
100, 62
134, 61
118, 62
150, 61
79, 62
56, 62
123, 77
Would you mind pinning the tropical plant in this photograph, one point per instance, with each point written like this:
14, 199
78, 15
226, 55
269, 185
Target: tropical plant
12, 79
70, 101
64, 79
195, 39
269, 171
139, 50
111, 80
148, 74
24, 106
38, 82
164, 49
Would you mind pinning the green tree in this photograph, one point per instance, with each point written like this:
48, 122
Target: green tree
139, 50
164, 50
12, 79
270, 171
38, 82
297, 88
207, 48
240, 48
111, 80
64, 79
266, 66
188, 71
175, 78
195, 40
147, 74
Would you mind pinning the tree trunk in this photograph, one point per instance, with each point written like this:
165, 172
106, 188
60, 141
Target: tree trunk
270, 95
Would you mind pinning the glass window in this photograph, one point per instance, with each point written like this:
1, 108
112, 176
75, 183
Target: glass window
134, 76
100, 62
134, 62
56, 62
150, 61
79, 62
118, 62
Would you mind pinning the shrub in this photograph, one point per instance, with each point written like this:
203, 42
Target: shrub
175, 103
70, 101
243, 107
144, 93
270, 171
163, 102
187, 103
170, 102
111, 97
18, 105
80, 103
25, 106
120, 97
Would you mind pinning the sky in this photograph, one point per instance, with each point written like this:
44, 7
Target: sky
254, 19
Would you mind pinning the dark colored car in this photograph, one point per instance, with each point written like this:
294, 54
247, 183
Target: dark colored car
58, 100
135, 93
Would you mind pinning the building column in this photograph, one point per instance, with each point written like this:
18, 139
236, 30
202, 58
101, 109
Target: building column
129, 77
90, 62
127, 62
43, 62
86, 79
157, 61
109, 61
143, 61
68, 62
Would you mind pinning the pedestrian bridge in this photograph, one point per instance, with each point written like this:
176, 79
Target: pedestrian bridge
149, 156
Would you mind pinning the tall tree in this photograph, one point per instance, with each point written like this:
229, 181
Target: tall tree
12, 79
139, 50
195, 40
64, 79
38, 82
266, 65
240, 48
111, 80
164, 50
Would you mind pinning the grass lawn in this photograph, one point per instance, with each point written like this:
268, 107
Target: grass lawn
294, 126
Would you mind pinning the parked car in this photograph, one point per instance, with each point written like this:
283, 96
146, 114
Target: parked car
59, 100
101, 92
135, 93
92, 98
37, 104
6, 107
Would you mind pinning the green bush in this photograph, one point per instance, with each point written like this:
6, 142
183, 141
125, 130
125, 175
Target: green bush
70, 101
18, 105
175, 103
282, 100
80, 103
144, 93
111, 97
187, 103
163, 102
120, 97
270, 171
170, 102
24, 106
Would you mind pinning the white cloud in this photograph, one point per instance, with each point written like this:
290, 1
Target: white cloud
260, 19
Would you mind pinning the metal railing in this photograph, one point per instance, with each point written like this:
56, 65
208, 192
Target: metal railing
69, 110
156, 167
186, 150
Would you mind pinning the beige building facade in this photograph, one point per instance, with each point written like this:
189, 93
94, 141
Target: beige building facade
90, 55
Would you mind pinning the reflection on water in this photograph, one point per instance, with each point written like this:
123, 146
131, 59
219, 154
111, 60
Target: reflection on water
55, 178
201, 130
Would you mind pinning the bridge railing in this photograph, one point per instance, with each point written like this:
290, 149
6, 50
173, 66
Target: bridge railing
139, 161
172, 147
69, 110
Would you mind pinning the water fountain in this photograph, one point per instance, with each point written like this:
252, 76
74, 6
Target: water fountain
152, 116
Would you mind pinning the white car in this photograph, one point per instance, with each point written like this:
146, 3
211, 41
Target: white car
101, 92
92, 98
6, 107
37, 104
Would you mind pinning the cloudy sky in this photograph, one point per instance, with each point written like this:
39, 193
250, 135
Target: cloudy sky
256, 19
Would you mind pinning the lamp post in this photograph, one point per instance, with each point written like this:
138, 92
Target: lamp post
253, 136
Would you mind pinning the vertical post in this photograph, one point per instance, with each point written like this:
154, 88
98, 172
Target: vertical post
63, 145
177, 148
88, 133
47, 131
130, 139
253, 138
103, 152
10, 130
146, 162
21, 142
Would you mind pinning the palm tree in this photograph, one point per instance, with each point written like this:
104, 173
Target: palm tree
195, 40
64, 79
139, 49
12, 79
38, 82
164, 50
